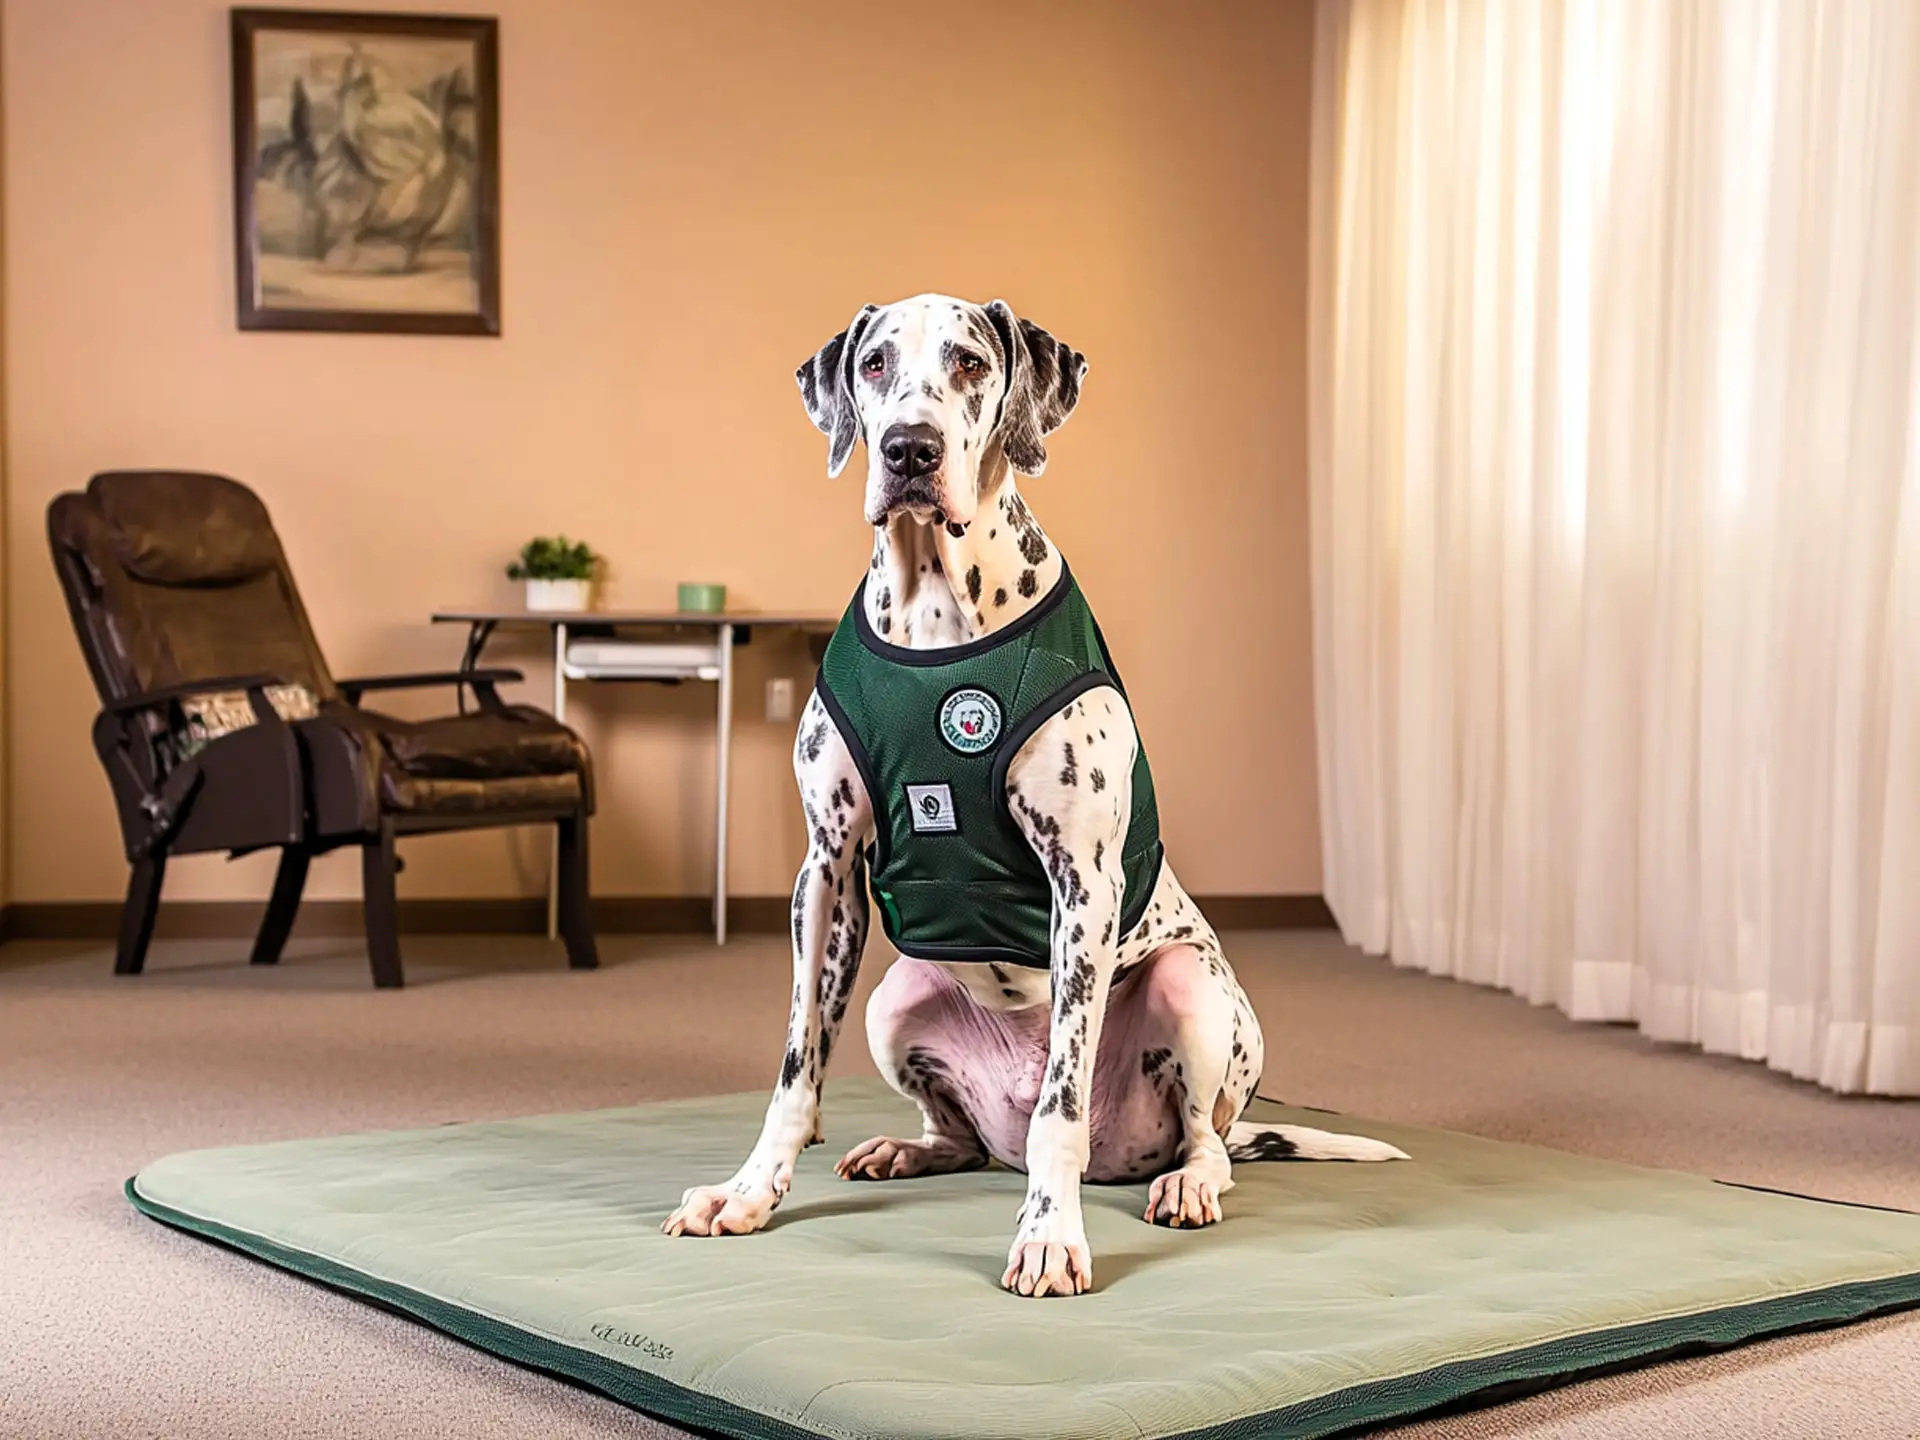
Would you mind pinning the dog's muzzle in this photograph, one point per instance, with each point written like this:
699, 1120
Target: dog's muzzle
910, 457
911, 451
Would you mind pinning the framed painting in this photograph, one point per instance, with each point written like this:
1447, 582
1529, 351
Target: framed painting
366, 172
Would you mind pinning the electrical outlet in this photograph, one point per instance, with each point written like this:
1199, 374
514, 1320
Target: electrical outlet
779, 701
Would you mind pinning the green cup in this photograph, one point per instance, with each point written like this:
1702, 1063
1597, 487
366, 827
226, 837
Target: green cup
703, 599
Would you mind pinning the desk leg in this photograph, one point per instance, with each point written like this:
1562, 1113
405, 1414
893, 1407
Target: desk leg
560, 714
477, 636
723, 745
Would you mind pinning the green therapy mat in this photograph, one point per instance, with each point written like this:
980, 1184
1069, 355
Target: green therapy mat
1335, 1295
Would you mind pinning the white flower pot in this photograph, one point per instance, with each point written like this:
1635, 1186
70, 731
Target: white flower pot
570, 595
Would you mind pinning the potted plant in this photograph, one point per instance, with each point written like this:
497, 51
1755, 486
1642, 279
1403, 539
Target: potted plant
558, 572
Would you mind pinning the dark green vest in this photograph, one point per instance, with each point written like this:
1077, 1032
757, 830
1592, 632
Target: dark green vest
933, 732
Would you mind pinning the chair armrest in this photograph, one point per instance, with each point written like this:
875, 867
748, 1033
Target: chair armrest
163, 801
482, 682
166, 694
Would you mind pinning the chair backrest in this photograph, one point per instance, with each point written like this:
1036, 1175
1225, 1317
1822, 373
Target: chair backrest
172, 577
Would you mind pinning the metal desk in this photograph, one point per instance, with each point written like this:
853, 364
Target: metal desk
710, 659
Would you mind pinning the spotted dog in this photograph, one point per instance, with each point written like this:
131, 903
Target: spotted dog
969, 757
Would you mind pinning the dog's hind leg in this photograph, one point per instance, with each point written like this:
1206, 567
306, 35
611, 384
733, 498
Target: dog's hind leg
937, 1048
1189, 1049
1203, 1026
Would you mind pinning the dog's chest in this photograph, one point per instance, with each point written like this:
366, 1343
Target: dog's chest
930, 617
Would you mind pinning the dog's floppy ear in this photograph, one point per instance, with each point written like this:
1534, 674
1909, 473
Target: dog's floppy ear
1043, 386
826, 385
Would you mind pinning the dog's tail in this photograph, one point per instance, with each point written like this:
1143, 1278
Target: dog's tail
1298, 1142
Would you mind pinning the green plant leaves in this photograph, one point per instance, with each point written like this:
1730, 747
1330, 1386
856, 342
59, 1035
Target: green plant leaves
554, 558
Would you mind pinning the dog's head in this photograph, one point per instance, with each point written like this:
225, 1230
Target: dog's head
939, 389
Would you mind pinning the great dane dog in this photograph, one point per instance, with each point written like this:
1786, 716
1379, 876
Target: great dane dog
1118, 1046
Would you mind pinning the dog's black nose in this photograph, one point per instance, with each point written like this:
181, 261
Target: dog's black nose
911, 450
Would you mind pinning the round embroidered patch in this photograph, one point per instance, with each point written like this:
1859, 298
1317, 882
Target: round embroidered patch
970, 721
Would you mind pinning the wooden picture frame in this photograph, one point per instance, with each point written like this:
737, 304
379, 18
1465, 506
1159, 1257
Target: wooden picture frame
366, 172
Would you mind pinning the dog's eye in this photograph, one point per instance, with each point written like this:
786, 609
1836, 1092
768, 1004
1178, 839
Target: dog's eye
874, 366
972, 366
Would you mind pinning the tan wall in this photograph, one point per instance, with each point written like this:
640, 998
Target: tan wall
695, 196
6, 849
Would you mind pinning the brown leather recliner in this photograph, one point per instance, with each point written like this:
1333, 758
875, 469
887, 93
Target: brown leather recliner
222, 728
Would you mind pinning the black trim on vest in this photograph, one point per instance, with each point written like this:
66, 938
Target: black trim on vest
1106, 654
970, 954
876, 802
1131, 914
950, 654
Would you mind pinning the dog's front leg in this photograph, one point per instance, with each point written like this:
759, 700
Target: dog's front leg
1070, 792
829, 933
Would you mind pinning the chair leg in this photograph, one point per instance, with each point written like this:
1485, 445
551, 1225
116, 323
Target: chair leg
139, 913
282, 906
377, 870
575, 903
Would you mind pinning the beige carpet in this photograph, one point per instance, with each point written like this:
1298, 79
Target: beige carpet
111, 1325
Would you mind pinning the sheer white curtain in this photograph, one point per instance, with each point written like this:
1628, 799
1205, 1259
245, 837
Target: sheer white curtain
1616, 510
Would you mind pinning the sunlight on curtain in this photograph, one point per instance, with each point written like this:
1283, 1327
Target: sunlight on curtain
1616, 510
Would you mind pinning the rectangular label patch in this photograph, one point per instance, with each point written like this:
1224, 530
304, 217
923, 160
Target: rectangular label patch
932, 809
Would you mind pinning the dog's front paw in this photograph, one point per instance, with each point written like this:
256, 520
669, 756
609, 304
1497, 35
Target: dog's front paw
1050, 1255
723, 1210
1049, 1267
